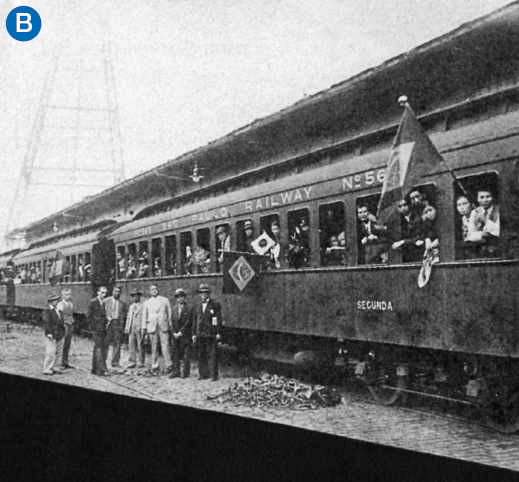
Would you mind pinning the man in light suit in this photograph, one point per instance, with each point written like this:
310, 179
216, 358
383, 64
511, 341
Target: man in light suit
208, 324
54, 333
96, 317
135, 329
182, 330
484, 226
116, 315
157, 317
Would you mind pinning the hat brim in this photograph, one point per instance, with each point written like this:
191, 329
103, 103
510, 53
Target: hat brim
52, 298
135, 293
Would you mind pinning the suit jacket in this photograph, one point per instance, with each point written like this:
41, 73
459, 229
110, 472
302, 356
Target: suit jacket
157, 312
182, 322
110, 307
134, 319
96, 316
53, 323
208, 323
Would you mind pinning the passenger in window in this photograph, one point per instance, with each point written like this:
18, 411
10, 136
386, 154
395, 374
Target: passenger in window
200, 260
484, 224
81, 270
410, 223
23, 275
335, 254
88, 272
144, 266
371, 238
275, 251
157, 267
121, 265
131, 272
429, 233
33, 275
299, 246
465, 209
224, 242
247, 239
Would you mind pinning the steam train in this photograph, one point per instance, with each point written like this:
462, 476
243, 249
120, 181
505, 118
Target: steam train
456, 338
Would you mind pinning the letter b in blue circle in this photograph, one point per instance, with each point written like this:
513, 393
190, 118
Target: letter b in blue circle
23, 23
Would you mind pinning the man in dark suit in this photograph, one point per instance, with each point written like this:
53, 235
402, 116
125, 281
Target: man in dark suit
116, 311
96, 317
371, 238
182, 329
54, 334
411, 231
208, 324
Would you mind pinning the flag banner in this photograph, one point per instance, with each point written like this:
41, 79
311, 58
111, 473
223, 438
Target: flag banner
241, 272
262, 244
60, 268
412, 156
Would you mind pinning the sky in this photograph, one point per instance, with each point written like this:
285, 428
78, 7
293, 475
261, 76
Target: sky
185, 72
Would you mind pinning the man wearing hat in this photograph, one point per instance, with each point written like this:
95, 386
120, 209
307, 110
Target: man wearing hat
54, 333
247, 239
135, 329
182, 329
157, 317
224, 244
96, 318
208, 324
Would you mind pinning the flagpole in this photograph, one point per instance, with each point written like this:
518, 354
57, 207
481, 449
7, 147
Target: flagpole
403, 101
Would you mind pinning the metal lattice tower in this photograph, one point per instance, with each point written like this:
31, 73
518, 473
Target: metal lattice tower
74, 149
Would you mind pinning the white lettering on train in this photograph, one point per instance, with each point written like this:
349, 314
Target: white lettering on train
209, 215
359, 181
375, 305
287, 197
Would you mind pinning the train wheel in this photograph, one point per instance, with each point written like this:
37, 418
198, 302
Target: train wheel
386, 387
503, 415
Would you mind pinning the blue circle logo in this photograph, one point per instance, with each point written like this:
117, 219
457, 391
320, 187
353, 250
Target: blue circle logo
23, 23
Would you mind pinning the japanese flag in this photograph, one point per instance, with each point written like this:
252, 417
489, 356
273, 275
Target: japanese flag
263, 243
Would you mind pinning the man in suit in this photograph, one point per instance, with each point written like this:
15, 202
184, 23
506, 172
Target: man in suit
67, 308
371, 238
182, 329
54, 333
411, 232
135, 329
116, 315
96, 317
208, 324
157, 317
484, 226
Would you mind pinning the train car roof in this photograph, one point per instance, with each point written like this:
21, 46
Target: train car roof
476, 61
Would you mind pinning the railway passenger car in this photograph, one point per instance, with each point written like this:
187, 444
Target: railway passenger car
313, 167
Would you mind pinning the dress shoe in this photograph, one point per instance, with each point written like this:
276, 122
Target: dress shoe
184, 376
174, 375
203, 378
57, 372
142, 365
131, 365
48, 373
116, 365
67, 366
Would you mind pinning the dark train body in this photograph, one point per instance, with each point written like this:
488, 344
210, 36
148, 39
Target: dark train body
457, 337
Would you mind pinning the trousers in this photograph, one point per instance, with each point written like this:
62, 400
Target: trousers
114, 335
207, 357
161, 337
98, 357
134, 342
181, 354
53, 354
66, 344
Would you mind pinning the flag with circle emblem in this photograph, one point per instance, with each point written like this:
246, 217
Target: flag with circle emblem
262, 244
241, 272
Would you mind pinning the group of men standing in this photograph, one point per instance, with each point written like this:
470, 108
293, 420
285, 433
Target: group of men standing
174, 329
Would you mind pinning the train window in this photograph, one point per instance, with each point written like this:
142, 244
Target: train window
73, 269
171, 255
298, 254
131, 269
202, 251
121, 262
245, 236
156, 256
332, 240
48, 268
186, 252
38, 272
80, 268
271, 226
144, 260
223, 243
372, 239
477, 216
88, 266
417, 224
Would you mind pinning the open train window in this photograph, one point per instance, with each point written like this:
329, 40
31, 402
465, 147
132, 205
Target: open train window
271, 226
73, 268
38, 272
202, 251
88, 266
171, 255
298, 253
417, 223
121, 262
478, 223
80, 268
144, 260
156, 257
332, 239
186, 253
223, 243
131, 268
372, 240
245, 236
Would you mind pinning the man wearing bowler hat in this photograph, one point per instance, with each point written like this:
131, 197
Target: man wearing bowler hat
54, 334
248, 238
135, 329
208, 324
182, 329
